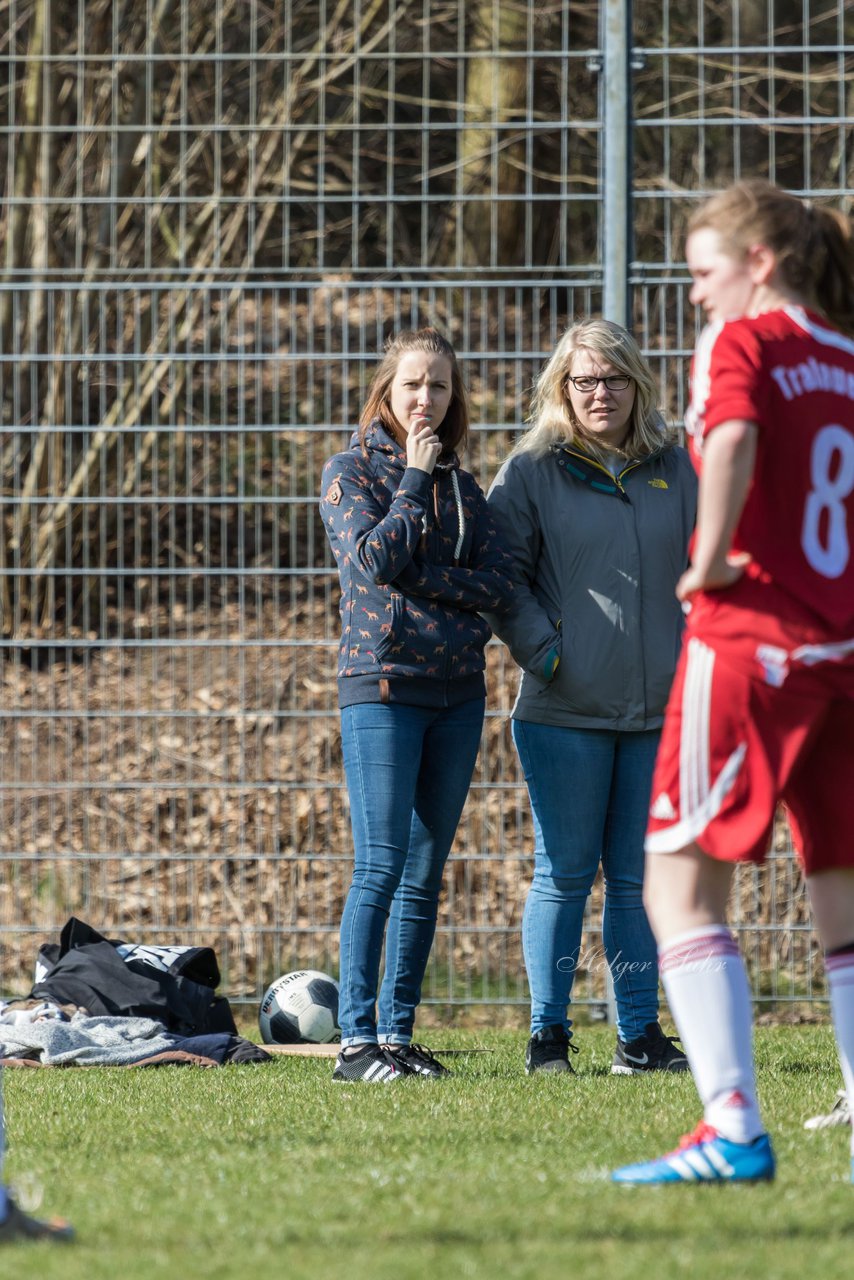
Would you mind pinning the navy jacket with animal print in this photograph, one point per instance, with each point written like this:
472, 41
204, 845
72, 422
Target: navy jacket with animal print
418, 557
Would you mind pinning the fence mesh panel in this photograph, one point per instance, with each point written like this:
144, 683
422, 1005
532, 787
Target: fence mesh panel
212, 216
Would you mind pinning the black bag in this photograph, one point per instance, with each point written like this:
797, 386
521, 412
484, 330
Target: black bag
173, 985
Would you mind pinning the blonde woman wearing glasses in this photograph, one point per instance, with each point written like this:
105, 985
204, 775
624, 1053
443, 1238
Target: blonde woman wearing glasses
596, 503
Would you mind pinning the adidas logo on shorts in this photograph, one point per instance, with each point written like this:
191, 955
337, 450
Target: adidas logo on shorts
662, 808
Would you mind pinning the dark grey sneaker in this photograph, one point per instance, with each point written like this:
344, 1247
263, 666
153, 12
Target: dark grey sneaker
18, 1225
417, 1060
653, 1051
548, 1050
367, 1064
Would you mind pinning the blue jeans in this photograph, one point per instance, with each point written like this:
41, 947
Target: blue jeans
590, 792
408, 771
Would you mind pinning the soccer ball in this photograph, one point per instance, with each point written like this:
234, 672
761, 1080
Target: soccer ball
300, 1008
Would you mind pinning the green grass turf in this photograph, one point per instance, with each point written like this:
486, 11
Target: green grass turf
274, 1170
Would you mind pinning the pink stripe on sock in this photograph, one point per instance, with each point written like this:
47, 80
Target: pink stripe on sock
842, 968
697, 951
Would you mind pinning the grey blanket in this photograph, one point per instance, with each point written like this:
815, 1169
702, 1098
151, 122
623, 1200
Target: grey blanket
84, 1040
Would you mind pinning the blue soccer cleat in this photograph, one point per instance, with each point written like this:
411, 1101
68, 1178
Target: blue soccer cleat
704, 1156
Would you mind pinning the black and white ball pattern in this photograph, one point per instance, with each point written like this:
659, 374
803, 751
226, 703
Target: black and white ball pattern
300, 1008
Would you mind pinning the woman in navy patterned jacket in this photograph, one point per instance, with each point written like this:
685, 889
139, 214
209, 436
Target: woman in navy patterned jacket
418, 559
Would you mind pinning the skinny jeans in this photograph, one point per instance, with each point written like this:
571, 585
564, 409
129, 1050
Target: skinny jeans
408, 770
590, 794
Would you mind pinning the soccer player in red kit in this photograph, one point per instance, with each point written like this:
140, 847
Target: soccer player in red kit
762, 706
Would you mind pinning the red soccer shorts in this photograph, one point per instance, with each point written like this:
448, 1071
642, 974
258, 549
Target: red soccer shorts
745, 729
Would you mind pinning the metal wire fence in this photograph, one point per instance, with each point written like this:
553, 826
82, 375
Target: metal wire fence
212, 216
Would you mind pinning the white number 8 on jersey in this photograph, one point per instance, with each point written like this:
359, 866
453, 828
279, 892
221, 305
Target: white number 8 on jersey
833, 449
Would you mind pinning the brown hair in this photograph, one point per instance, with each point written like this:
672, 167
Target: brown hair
453, 429
813, 245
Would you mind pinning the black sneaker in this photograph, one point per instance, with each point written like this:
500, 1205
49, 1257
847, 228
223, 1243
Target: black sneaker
368, 1063
548, 1050
417, 1060
18, 1225
653, 1051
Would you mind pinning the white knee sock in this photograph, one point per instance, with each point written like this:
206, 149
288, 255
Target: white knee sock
840, 981
706, 985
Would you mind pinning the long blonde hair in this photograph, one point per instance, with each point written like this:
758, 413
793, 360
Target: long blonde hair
552, 418
814, 246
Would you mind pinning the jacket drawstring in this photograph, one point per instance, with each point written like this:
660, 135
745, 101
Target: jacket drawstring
460, 517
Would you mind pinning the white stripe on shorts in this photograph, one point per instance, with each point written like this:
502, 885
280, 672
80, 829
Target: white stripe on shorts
694, 746
700, 799
811, 654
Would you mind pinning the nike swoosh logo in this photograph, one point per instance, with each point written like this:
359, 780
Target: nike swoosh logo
632, 1057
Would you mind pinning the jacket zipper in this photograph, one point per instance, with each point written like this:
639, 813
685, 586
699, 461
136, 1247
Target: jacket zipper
617, 479
448, 634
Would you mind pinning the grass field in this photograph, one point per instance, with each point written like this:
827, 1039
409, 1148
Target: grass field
273, 1170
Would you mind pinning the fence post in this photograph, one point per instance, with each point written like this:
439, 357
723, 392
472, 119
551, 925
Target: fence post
616, 204
616, 165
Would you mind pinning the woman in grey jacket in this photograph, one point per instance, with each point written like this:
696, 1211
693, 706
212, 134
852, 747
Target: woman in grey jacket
597, 504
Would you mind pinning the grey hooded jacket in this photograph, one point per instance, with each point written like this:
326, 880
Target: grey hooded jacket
595, 624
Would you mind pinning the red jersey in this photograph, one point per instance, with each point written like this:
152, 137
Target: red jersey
792, 374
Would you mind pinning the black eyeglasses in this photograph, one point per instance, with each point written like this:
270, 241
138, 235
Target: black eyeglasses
614, 382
